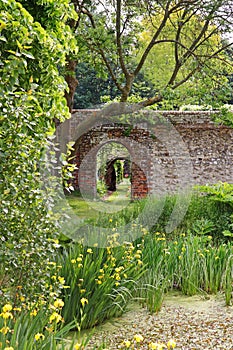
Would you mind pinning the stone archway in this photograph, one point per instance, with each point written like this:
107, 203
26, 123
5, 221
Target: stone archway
113, 165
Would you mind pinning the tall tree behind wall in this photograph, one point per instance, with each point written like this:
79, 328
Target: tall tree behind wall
108, 34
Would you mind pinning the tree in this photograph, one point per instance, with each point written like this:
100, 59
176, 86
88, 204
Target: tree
212, 77
108, 33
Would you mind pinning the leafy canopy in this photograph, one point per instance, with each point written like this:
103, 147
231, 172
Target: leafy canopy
186, 36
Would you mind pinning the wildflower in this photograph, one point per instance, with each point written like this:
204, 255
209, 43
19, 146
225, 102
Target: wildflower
9, 348
77, 346
58, 303
89, 250
7, 307
80, 265
17, 309
140, 262
33, 312
84, 301
126, 343
99, 282
55, 317
6, 315
82, 291
110, 220
119, 269
117, 284
138, 338
117, 277
79, 259
4, 330
39, 336
61, 279
171, 344
73, 261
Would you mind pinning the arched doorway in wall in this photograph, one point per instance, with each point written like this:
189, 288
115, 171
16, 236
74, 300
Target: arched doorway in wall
113, 170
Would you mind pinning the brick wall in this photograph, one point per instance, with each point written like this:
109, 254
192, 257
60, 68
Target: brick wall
169, 150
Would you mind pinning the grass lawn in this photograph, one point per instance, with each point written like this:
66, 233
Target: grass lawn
110, 203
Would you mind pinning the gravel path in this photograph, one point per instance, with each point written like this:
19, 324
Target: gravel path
194, 323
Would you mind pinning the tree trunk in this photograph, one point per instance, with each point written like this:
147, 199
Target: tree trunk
72, 83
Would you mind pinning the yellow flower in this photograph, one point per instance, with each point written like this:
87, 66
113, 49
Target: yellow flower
126, 343
6, 315
84, 301
117, 277
77, 346
9, 348
61, 279
79, 259
17, 309
89, 250
138, 338
39, 336
55, 317
58, 303
73, 261
80, 265
7, 307
110, 220
82, 291
33, 312
140, 262
4, 330
171, 344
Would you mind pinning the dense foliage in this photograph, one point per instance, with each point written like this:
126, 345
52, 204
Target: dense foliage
32, 91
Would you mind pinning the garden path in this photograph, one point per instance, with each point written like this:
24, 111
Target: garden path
193, 322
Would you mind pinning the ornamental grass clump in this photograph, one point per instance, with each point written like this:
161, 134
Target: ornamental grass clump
24, 328
106, 277
190, 263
